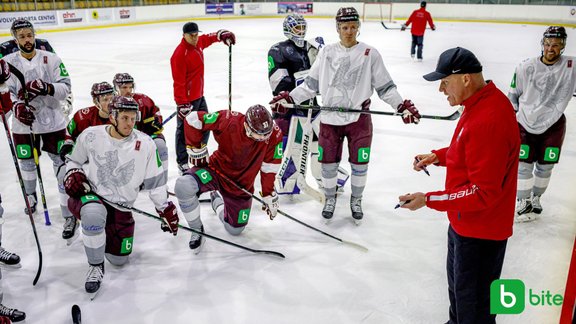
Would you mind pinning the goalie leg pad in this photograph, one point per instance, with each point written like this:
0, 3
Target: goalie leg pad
525, 180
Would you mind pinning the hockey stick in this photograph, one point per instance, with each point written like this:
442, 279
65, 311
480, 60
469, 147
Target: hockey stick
229, 77
20, 78
170, 117
274, 253
28, 208
389, 27
205, 200
453, 116
352, 244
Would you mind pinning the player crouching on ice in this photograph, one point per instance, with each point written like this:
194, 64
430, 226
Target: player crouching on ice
119, 162
247, 145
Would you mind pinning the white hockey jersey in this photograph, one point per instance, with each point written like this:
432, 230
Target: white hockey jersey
540, 93
119, 169
48, 67
346, 77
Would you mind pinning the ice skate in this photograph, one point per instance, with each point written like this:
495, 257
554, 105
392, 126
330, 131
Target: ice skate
196, 241
356, 208
12, 313
536, 206
69, 232
33, 201
94, 279
329, 207
524, 211
9, 260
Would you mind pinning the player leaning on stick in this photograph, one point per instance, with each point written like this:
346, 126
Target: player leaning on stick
346, 74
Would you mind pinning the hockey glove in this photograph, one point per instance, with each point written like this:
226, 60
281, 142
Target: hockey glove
198, 156
65, 149
76, 184
169, 218
39, 88
5, 102
270, 205
279, 102
433, 27
403, 27
184, 110
4, 71
410, 114
226, 37
153, 125
25, 114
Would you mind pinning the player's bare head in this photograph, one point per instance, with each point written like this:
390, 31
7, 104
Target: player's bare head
124, 113
553, 43
102, 93
295, 28
347, 25
124, 84
23, 32
190, 33
258, 123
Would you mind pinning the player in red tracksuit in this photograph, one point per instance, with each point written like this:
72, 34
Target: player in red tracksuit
419, 18
187, 63
480, 192
247, 145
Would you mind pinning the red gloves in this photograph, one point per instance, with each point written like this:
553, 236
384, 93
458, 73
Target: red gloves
184, 110
25, 114
76, 184
4, 71
410, 114
198, 156
169, 218
226, 37
279, 102
39, 88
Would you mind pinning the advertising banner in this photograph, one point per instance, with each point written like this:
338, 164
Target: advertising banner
37, 18
72, 17
97, 15
219, 8
297, 7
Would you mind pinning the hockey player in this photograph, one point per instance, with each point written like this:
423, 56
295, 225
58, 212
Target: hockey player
247, 145
7, 259
48, 83
11, 46
419, 18
288, 64
151, 122
346, 74
187, 63
119, 161
540, 92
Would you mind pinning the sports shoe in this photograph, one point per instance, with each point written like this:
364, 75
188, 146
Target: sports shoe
12, 313
536, 206
94, 278
196, 241
33, 201
216, 200
356, 207
70, 226
9, 259
523, 206
329, 207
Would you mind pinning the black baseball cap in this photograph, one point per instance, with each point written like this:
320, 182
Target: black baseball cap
190, 28
455, 61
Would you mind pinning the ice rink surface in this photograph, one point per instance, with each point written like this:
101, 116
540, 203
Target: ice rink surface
402, 279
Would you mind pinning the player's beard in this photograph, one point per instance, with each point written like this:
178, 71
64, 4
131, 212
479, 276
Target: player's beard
28, 47
552, 57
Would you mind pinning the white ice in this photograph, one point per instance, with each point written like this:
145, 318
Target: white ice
402, 279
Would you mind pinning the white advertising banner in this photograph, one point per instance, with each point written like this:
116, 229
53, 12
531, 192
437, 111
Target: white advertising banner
100, 15
37, 18
72, 17
125, 14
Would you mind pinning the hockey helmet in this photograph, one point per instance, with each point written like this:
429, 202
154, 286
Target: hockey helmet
555, 32
295, 28
259, 122
101, 88
19, 24
346, 14
122, 78
123, 103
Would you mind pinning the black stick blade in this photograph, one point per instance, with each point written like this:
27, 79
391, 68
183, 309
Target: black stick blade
76, 315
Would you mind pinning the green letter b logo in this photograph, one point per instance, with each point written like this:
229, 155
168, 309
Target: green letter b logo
551, 154
507, 296
524, 151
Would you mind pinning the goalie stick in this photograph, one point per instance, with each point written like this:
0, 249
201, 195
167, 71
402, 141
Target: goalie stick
273, 253
352, 244
452, 116
20, 77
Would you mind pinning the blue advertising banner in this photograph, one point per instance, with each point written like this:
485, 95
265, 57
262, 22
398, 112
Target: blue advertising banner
219, 8
297, 7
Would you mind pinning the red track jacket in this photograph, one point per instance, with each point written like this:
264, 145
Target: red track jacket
419, 18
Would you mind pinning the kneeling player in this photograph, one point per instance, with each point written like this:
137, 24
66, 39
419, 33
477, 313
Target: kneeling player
119, 161
247, 145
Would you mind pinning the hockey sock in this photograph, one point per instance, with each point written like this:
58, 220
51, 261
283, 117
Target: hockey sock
358, 180
525, 180
542, 174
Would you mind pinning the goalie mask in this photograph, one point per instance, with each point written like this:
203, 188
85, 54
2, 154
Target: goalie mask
295, 28
258, 123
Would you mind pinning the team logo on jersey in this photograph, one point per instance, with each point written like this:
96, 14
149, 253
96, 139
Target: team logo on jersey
524, 151
320, 153
271, 64
367, 52
210, 118
278, 151
71, 126
63, 71
158, 160
23, 151
88, 198
127, 244
243, 216
513, 83
137, 147
364, 154
552, 154
204, 176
